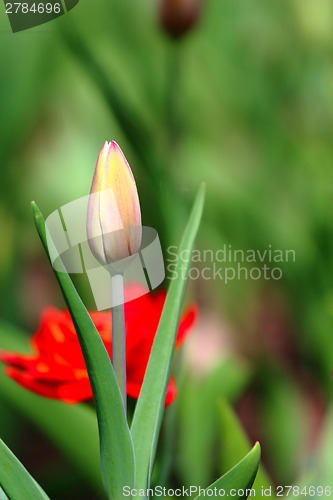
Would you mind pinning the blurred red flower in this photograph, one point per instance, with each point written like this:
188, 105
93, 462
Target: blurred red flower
57, 368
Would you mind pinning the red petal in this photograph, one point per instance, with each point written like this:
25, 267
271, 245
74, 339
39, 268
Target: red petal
133, 390
20, 361
56, 335
186, 322
57, 370
49, 391
171, 392
75, 392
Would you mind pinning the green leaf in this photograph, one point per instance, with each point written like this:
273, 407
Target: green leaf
15, 480
149, 408
240, 478
117, 456
235, 444
76, 437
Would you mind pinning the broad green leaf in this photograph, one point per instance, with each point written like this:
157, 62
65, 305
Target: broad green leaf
15, 480
238, 481
117, 457
149, 409
234, 445
76, 437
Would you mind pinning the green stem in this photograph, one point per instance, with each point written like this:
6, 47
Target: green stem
173, 96
118, 334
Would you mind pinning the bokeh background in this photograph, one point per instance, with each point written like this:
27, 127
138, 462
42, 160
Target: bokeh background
244, 102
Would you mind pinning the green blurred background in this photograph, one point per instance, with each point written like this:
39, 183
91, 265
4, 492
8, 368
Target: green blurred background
243, 102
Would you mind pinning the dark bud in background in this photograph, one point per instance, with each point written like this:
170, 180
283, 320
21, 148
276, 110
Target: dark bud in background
179, 16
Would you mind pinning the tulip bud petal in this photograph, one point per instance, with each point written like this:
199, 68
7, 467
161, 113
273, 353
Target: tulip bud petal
114, 216
179, 16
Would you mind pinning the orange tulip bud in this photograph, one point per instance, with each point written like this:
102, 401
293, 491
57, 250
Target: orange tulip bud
114, 217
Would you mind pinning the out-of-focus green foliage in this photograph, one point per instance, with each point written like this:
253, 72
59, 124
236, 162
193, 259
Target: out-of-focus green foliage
317, 469
199, 420
234, 444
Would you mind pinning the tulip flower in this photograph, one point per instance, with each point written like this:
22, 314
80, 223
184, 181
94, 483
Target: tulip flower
114, 216
56, 368
114, 232
179, 16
